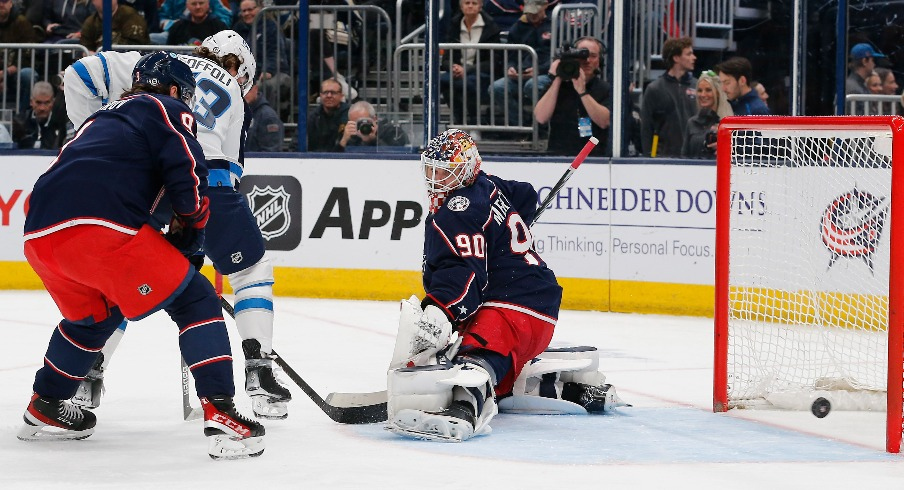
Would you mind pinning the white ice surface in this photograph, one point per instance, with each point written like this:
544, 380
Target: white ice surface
662, 365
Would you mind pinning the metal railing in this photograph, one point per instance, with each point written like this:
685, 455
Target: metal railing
873, 105
573, 21
493, 112
654, 21
35, 62
150, 48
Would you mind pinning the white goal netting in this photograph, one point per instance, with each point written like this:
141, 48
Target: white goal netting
809, 267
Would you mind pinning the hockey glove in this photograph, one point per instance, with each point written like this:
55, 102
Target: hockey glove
421, 334
186, 231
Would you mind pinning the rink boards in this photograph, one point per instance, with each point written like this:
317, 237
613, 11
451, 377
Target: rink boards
630, 236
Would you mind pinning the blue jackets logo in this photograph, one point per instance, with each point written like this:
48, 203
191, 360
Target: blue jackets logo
852, 226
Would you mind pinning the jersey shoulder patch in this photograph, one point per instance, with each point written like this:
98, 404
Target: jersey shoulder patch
458, 203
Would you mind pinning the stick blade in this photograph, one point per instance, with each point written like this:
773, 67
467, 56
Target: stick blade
367, 414
358, 408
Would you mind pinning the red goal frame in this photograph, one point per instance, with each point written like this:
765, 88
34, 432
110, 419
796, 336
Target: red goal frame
895, 124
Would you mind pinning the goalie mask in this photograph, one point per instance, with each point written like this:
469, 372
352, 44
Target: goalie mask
230, 42
451, 161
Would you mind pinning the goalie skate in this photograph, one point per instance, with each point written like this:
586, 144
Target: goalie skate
454, 424
230, 435
594, 399
47, 419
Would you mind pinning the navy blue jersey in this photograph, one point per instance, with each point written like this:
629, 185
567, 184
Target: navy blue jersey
478, 250
114, 171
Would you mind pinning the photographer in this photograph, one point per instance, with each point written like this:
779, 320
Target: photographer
365, 129
576, 107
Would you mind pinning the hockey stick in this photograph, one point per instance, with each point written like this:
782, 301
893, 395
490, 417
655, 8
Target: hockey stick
352, 414
578, 160
188, 412
378, 398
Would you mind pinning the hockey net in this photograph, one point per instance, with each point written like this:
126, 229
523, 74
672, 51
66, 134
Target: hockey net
806, 305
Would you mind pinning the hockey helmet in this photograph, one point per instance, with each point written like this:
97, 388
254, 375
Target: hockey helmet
451, 161
230, 42
165, 69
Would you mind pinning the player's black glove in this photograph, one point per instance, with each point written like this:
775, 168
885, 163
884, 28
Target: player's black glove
197, 261
186, 231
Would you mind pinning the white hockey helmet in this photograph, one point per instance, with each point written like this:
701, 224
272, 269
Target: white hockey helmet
230, 42
451, 161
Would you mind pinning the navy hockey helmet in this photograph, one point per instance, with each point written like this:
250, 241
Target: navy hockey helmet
451, 161
165, 69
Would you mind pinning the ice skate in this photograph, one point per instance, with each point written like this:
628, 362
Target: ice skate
462, 412
595, 399
91, 389
48, 419
454, 424
230, 435
268, 396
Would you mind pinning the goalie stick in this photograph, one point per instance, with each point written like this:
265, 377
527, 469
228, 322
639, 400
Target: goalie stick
351, 413
578, 160
377, 400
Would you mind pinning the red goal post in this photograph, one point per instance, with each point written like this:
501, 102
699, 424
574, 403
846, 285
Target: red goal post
808, 289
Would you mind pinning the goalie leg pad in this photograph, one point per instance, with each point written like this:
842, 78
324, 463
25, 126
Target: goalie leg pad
563, 380
254, 302
441, 402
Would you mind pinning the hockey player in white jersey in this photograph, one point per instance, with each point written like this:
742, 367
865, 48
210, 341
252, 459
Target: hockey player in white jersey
93, 81
224, 69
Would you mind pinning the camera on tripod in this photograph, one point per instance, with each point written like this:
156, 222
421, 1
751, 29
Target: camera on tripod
570, 62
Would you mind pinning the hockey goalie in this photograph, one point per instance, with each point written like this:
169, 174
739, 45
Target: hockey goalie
489, 290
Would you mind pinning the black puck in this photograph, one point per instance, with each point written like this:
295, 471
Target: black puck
821, 407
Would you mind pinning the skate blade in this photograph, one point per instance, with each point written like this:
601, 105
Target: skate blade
265, 409
429, 427
222, 447
51, 433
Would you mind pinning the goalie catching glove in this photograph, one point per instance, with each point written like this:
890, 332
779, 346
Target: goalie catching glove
186, 231
422, 334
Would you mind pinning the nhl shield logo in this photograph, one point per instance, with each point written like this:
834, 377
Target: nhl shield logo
270, 208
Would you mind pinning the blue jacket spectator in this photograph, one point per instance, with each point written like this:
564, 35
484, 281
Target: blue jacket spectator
63, 19
173, 10
735, 75
267, 130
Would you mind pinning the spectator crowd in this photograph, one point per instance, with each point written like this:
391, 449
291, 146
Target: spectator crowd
565, 93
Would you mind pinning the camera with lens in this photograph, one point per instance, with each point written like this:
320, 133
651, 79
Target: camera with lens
365, 126
570, 62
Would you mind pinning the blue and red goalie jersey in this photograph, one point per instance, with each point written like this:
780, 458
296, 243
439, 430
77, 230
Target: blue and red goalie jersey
114, 171
478, 250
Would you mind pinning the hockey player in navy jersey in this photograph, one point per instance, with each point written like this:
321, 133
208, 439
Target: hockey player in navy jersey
88, 239
224, 69
484, 280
